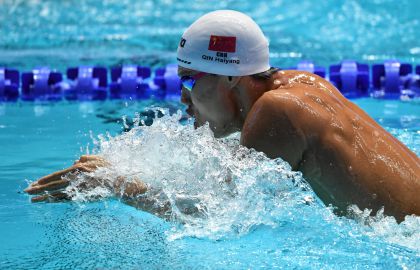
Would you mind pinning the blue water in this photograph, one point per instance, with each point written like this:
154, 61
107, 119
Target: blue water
68, 33
38, 139
269, 224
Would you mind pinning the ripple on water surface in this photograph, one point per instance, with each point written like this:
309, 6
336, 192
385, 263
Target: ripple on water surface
265, 207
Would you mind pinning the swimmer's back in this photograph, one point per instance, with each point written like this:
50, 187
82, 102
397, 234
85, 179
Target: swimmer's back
343, 153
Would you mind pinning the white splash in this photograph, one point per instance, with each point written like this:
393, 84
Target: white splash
406, 233
234, 189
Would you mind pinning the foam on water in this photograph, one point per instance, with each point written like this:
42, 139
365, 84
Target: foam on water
232, 188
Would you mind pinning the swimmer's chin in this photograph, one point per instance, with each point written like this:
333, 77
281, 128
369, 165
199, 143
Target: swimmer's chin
218, 132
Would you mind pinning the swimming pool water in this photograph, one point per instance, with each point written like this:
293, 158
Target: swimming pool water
61, 34
38, 139
267, 232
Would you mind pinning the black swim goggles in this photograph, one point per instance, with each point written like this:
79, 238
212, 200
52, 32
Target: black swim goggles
188, 82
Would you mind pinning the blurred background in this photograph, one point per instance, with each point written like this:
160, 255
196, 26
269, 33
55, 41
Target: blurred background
67, 33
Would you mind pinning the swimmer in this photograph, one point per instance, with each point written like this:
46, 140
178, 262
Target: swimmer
346, 157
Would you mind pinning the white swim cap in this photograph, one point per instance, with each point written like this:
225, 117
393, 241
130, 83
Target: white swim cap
224, 42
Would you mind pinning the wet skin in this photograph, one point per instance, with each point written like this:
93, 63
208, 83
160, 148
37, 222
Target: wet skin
134, 192
346, 157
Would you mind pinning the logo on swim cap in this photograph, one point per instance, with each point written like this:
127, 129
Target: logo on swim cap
182, 42
222, 44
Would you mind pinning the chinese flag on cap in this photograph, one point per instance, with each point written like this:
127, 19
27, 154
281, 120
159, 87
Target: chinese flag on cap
222, 44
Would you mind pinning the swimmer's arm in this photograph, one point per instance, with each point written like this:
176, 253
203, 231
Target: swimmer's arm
134, 192
269, 129
153, 200
51, 187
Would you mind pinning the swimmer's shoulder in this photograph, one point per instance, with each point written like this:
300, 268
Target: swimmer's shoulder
286, 110
302, 82
304, 99
290, 92
286, 97
270, 127
301, 88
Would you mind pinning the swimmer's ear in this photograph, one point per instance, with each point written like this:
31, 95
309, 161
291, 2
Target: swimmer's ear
231, 81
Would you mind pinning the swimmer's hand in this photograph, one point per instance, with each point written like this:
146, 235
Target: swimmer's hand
132, 191
50, 187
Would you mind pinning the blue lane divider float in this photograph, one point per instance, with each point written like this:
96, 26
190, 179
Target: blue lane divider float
129, 82
414, 84
351, 78
309, 66
390, 79
9, 84
411, 84
87, 83
166, 81
41, 84
172, 81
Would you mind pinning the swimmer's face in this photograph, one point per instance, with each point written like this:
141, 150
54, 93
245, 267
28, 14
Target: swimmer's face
211, 101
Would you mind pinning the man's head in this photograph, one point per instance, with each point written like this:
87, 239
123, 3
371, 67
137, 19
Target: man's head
219, 52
